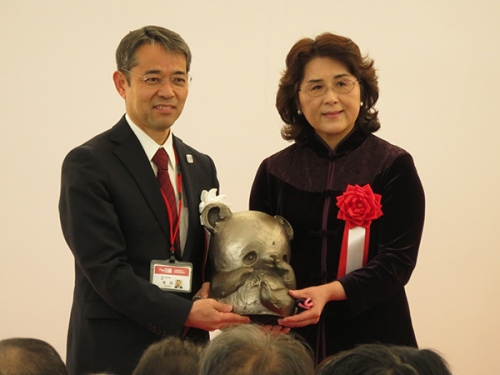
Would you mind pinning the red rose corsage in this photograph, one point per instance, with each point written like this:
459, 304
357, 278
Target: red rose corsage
359, 206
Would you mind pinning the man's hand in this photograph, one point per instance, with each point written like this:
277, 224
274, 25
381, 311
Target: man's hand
208, 314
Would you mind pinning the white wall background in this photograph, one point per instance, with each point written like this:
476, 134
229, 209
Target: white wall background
439, 79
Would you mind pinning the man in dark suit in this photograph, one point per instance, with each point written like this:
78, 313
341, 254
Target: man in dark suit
116, 219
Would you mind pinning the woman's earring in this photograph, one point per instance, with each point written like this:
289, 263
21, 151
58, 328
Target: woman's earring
361, 104
299, 112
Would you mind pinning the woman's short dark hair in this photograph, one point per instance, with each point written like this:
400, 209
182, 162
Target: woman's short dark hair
425, 361
367, 359
341, 49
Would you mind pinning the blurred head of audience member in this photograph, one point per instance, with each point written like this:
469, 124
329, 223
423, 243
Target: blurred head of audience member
28, 356
378, 359
425, 361
251, 349
170, 356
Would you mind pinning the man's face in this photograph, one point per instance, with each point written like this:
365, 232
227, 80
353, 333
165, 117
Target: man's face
153, 109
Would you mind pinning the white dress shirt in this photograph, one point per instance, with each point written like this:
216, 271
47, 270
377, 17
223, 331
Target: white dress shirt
150, 148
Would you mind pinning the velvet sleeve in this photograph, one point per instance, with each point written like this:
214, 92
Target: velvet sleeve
395, 239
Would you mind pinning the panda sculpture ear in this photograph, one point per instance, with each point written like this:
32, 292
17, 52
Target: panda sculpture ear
286, 226
214, 214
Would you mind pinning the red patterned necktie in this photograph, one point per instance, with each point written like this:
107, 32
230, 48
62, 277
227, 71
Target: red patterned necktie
161, 161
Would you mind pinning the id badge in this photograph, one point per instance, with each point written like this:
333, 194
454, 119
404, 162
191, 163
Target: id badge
172, 276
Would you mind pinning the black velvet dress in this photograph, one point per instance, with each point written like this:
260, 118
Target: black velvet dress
301, 183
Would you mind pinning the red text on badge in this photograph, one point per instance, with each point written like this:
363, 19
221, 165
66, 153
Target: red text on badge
174, 271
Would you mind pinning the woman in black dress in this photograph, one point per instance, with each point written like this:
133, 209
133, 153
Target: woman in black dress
355, 201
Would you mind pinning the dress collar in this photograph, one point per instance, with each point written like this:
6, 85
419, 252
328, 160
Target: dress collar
351, 141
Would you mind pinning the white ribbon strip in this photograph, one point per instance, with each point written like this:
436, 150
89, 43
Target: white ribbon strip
355, 249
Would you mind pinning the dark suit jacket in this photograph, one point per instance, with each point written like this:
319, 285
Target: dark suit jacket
115, 221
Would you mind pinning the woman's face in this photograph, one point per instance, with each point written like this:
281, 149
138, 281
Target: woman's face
331, 114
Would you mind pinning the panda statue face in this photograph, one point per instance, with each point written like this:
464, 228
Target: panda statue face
250, 254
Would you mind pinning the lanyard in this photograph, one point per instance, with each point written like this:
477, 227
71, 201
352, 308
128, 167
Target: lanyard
174, 232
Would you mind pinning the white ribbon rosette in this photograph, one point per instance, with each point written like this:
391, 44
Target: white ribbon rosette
211, 196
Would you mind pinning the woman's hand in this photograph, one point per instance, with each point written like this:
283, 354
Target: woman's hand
204, 292
319, 296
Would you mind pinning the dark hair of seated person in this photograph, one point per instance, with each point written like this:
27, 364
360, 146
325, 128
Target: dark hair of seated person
29, 356
170, 356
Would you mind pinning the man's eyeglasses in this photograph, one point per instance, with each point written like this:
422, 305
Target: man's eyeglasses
343, 86
180, 81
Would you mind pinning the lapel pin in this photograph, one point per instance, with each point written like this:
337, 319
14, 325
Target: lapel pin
189, 158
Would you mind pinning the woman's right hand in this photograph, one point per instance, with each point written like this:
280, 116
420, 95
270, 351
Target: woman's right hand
319, 295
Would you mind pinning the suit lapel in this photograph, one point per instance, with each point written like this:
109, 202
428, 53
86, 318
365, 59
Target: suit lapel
189, 192
130, 152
